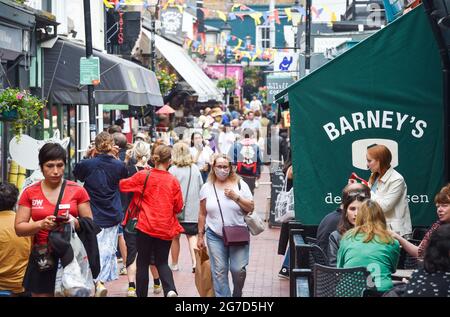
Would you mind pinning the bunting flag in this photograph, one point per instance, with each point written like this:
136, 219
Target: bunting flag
276, 16
300, 10
240, 16
235, 6
238, 46
288, 14
266, 18
180, 8
205, 11
231, 16
314, 10
108, 4
257, 17
333, 17
295, 19
221, 15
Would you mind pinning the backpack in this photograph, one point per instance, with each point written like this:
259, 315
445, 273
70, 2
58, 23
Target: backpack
246, 167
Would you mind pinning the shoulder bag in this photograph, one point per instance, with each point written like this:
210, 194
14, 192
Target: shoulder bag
254, 223
181, 214
41, 253
232, 235
133, 212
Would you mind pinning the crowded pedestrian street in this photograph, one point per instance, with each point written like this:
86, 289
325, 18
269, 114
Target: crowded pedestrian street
233, 154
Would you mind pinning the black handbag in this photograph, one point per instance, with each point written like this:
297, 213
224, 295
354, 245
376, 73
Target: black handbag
232, 235
42, 254
133, 213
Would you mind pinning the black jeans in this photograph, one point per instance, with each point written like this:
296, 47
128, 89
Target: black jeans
156, 252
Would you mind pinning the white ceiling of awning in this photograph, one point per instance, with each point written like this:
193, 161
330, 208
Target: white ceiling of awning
204, 87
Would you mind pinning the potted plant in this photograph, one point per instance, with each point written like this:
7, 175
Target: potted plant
21, 108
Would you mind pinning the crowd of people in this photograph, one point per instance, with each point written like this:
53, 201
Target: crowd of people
136, 199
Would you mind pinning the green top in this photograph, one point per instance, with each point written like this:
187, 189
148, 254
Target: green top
379, 258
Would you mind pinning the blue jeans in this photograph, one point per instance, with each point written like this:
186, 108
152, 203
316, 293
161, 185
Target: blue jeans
224, 259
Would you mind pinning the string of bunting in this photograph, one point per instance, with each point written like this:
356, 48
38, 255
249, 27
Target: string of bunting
244, 10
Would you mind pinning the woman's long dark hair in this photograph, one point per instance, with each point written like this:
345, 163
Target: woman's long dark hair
437, 254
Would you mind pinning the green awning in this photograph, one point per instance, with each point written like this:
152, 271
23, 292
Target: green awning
109, 107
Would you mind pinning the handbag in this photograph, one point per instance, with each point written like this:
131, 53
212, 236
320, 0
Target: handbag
255, 224
180, 216
41, 253
232, 235
133, 213
284, 205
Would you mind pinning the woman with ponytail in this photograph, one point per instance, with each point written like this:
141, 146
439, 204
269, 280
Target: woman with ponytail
101, 175
388, 188
157, 222
140, 154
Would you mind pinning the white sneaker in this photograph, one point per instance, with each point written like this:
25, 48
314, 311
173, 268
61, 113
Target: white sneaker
172, 294
256, 184
131, 292
100, 290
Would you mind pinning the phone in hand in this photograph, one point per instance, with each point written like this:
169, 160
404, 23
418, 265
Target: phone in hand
62, 216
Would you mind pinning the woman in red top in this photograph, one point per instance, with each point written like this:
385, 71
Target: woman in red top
37, 202
157, 221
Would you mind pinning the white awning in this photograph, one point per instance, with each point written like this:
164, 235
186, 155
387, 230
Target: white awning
188, 69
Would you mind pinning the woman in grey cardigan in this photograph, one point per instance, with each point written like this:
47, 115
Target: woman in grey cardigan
351, 203
190, 178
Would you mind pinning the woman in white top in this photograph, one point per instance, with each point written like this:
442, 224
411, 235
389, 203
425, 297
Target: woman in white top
225, 194
389, 189
201, 154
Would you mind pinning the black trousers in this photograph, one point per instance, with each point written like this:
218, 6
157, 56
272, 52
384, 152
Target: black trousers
156, 252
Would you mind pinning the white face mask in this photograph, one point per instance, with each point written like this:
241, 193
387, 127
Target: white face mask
221, 174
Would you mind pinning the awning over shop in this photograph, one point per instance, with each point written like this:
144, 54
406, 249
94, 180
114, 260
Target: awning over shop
121, 81
188, 69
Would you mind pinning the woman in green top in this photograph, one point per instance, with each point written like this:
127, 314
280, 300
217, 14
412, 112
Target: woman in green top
370, 244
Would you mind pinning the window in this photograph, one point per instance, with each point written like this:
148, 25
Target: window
262, 37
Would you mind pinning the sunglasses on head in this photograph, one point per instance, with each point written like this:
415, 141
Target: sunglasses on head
361, 195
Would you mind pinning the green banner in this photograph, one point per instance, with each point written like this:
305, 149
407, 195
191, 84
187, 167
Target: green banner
385, 90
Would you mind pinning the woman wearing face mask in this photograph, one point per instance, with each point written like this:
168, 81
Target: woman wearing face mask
351, 203
201, 154
224, 187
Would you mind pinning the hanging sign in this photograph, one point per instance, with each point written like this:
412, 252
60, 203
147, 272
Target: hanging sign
89, 70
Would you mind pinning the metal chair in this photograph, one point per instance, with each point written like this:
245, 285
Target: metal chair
338, 282
310, 240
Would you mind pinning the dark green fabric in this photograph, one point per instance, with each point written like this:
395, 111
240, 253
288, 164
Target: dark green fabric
397, 72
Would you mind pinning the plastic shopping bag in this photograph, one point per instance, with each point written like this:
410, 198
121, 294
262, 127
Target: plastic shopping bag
284, 205
75, 279
203, 278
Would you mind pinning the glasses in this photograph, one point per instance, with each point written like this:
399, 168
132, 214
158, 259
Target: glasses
223, 167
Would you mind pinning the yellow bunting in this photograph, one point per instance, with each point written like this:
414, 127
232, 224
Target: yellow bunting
107, 4
257, 17
216, 51
333, 17
237, 5
238, 45
296, 19
258, 52
288, 13
222, 15
180, 8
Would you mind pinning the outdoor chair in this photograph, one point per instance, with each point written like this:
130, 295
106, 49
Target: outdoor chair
339, 282
310, 240
411, 262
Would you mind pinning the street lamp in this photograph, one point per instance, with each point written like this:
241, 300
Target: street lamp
225, 31
154, 15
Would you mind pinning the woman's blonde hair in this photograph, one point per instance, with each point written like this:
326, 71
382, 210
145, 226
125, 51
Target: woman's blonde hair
371, 222
141, 151
382, 154
212, 175
162, 154
104, 142
181, 156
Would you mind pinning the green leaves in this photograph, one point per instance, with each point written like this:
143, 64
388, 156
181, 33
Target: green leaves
28, 108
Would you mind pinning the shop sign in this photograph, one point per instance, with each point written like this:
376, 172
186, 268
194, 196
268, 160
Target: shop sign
276, 84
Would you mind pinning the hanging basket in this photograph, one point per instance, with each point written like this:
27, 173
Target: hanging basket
10, 115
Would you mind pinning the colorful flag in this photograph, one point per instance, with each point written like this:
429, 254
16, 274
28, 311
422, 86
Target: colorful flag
288, 13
